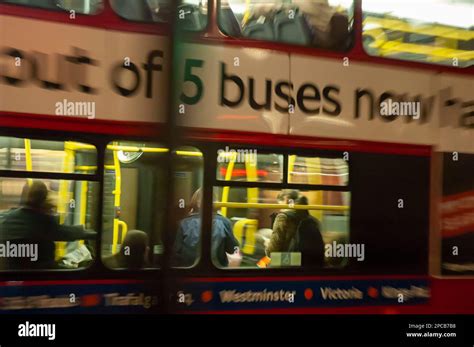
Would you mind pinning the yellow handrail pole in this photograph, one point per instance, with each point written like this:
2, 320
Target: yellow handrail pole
247, 13
228, 177
316, 180
117, 191
430, 30
28, 159
63, 198
189, 153
281, 206
251, 170
124, 228
83, 207
291, 166
137, 149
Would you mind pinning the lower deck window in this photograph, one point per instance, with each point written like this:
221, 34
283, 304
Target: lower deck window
281, 228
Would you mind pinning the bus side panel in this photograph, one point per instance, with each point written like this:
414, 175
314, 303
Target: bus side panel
390, 212
338, 101
233, 89
81, 72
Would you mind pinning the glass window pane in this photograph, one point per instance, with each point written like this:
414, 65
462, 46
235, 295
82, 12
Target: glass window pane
47, 156
135, 185
278, 228
439, 32
318, 171
192, 15
79, 6
248, 165
323, 24
457, 215
157, 11
54, 220
187, 202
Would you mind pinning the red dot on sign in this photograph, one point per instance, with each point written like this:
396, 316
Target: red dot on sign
373, 292
206, 296
308, 294
90, 300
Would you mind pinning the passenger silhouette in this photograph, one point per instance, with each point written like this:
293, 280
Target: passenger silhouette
34, 223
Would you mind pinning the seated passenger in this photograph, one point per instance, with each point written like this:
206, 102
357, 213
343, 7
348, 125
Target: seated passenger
185, 250
284, 223
133, 254
297, 231
330, 29
34, 223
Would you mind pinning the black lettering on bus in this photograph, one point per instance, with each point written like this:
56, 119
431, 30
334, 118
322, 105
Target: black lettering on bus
327, 96
359, 93
284, 96
14, 53
149, 67
81, 61
267, 104
117, 71
302, 96
189, 76
427, 107
43, 60
224, 101
467, 119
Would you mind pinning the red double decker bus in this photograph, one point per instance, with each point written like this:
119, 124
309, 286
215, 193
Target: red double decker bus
363, 109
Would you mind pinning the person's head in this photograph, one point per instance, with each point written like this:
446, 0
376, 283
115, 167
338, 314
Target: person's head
288, 196
196, 201
302, 200
134, 250
35, 196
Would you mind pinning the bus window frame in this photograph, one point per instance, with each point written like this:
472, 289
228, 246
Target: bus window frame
194, 34
59, 9
138, 22
286, 45
106, 20
97, 178
406, 62
286, 152
213, 36
104, 143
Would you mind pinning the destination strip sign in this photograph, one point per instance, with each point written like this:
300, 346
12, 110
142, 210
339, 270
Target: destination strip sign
291, 294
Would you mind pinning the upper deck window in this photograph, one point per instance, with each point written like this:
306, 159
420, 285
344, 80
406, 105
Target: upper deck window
318, 23
192, 15
157, 11
79, 6
17, 154
436, 31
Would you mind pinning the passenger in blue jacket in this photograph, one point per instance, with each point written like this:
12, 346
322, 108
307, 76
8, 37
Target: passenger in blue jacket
185, 250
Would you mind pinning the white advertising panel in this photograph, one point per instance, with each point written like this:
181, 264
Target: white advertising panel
121, 76
233, 88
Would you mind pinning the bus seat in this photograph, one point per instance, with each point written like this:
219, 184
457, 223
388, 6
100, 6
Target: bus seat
245, 231
407, 56
135, 10
290, 30
419, 39
193, 19
228, 23
339, 31
259, 31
